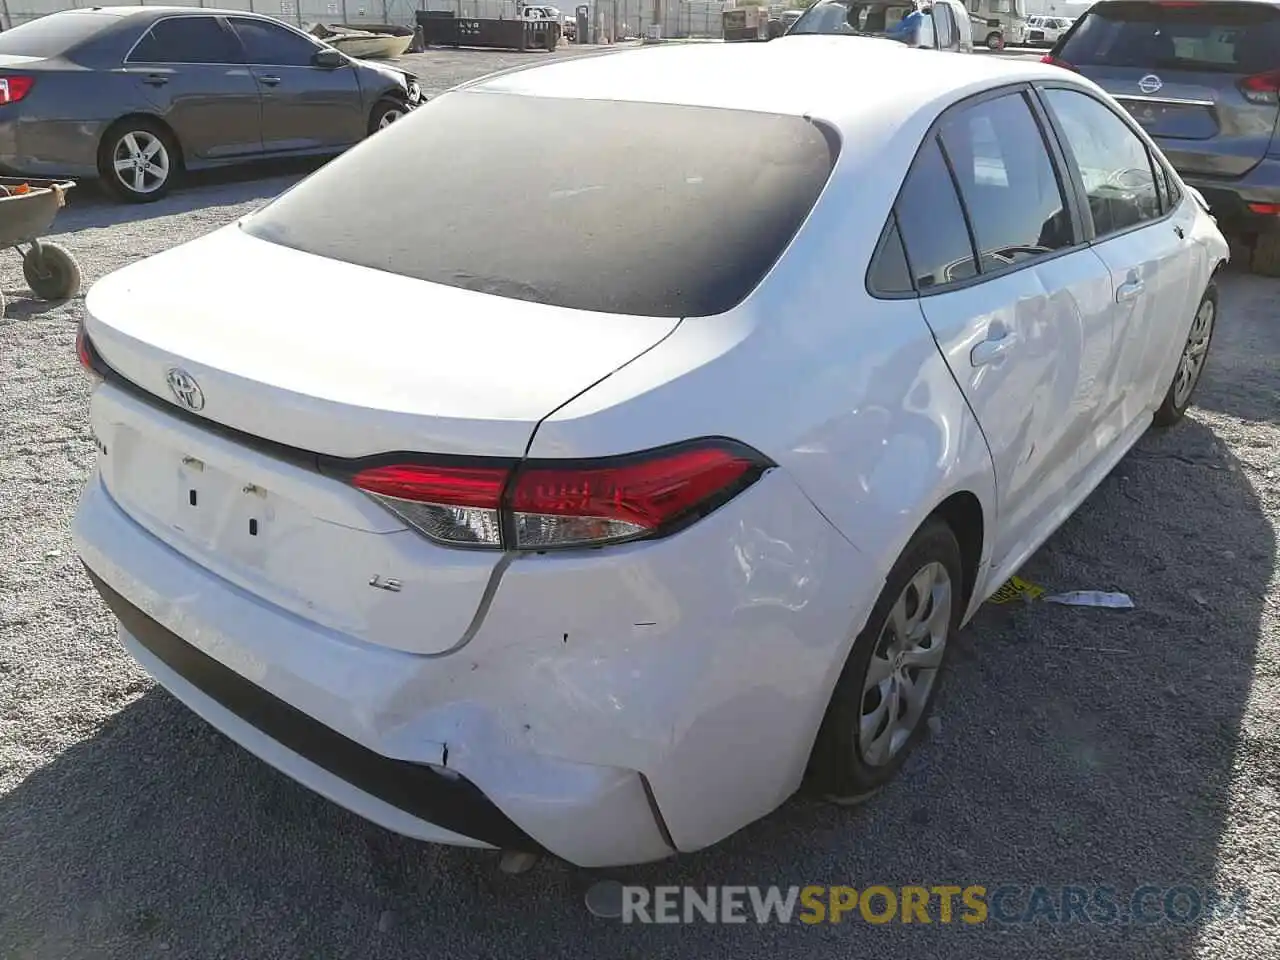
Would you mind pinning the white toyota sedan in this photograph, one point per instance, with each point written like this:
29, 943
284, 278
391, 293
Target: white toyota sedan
590, 494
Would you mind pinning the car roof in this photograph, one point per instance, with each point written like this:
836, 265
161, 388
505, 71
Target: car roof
854, 83
155, 12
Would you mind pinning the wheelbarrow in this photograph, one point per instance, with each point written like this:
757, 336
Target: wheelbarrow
27, 210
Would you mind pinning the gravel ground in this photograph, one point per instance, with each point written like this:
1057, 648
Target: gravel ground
1073, 746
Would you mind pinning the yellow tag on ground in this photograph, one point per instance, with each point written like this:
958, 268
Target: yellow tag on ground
1015, 588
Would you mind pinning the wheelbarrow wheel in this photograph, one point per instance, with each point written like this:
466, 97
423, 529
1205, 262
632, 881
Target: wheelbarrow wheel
51, 272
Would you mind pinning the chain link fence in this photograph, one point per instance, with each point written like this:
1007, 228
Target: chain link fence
617, 19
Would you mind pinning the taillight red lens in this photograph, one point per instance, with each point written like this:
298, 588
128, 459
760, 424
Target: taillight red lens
1049, 58
14, 87
549, 504
82, 350
570, 505
1262, 88
1266, 209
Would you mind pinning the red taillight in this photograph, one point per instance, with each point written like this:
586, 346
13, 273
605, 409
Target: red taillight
83, 351
1049, 58
572, 505
1262, 88
14, 87
1266, 209
547, 504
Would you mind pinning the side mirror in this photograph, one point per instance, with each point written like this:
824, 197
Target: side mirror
328, 59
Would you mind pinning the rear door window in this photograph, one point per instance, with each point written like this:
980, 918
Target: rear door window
1216, 36
1009, 184
1114, 164
185, 40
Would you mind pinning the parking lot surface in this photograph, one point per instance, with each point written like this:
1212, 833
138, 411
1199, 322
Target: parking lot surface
1073, 746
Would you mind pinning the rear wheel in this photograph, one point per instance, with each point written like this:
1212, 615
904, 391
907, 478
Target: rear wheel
995, 41
1195, 353
878, 711
138, 160
1265, 259
386, 112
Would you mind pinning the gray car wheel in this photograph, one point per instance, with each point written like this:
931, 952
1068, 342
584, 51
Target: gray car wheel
386, 112
138, 160
995, 41
1191, 362
881, 703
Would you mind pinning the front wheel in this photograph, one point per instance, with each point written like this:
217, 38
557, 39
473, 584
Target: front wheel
386, 112
995, 41
1191, 363
51, 272
138, 160
880, 704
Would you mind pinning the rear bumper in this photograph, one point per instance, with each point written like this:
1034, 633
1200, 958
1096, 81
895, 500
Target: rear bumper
612, 708
432, 794
1229, 199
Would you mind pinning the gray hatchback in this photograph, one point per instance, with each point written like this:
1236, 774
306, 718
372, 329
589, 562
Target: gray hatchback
1203, 78
135, 95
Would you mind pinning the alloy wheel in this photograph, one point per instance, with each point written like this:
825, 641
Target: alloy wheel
141, 162
389, 117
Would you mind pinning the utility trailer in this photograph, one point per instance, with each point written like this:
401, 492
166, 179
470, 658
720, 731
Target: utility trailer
442, 28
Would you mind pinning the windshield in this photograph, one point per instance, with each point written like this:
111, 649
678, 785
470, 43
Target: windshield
1207, 37
851, 17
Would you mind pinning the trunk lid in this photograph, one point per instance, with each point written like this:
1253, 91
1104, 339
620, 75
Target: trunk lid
349, 361
1178, 68
332, 359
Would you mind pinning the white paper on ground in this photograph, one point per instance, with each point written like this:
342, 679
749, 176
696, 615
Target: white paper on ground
1092, 598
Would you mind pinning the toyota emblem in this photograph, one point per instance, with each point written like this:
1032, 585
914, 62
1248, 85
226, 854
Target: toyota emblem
1150, 83
185, 389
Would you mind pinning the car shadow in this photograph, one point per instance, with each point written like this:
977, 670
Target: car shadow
1074, 746
89, 205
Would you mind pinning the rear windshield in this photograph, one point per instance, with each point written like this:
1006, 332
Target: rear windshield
1213, 36
632, 208
54, 35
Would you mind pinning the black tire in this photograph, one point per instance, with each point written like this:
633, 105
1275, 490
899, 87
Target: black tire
386, 112
1265, 258
838, 768
1178, 397
114, 147
54, 275
995, 41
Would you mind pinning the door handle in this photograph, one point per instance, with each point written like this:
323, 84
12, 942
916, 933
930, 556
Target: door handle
269, 81
1179, 232
999, 341
155, 79
1129, 291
